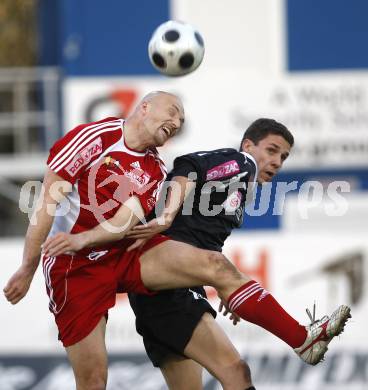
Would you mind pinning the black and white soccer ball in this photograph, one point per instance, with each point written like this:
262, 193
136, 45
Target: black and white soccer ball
176, 48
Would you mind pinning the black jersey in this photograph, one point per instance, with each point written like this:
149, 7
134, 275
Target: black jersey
224, 178
216, 205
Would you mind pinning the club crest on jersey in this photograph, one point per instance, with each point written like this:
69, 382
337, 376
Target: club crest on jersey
228, 168
233, 202
151, 203
109, 161
84, 156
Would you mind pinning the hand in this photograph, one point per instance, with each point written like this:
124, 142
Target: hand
18, 285
62, 243
148, 230
233, 317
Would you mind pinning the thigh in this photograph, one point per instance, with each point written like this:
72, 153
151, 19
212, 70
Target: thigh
166, 321
88, 357
181, 373
210, 347
80, 292
174, 264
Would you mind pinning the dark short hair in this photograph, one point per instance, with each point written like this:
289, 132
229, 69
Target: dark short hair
262, 127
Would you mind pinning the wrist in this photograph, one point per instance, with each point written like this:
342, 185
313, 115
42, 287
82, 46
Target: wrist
84, 239
29, 266
168, 220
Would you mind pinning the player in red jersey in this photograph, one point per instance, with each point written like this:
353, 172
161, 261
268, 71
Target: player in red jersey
96, 171
174, 264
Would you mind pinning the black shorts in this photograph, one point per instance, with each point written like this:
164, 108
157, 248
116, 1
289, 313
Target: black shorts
166, 321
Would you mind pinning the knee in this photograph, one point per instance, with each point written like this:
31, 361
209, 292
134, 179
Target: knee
236, 374
221, 270
246, 372
244, 375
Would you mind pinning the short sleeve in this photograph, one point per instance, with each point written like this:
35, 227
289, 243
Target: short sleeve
185, 165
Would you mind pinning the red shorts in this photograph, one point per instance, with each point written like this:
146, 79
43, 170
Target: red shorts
82, 289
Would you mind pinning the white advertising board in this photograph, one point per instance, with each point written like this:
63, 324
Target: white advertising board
327, 112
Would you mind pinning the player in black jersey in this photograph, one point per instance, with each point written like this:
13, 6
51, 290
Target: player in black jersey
167, 320
178, 325
173, 322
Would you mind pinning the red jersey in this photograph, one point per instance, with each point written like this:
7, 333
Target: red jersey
104, 173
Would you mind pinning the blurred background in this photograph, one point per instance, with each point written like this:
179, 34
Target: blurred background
302, 62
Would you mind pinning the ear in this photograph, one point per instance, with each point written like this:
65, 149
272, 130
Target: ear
247, 145
144, 107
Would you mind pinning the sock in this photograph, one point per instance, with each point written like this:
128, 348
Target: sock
251, 388
255, 304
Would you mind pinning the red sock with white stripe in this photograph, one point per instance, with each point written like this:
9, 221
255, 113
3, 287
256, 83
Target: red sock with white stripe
255, 304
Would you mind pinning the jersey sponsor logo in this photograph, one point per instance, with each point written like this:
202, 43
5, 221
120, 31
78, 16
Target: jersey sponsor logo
226, 169
84, 156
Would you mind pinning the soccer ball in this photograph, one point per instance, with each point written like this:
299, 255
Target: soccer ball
176, 48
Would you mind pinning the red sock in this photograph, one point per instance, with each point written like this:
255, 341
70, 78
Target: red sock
255, 304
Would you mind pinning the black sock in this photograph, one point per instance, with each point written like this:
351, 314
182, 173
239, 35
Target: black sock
251, 388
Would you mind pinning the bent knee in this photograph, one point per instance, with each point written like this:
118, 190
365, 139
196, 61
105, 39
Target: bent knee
239, 373
246, 371
220, 269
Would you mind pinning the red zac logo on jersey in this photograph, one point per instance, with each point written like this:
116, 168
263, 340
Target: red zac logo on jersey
84, 156
228, 168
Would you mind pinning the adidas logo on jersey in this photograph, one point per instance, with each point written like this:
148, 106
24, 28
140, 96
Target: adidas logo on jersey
136, 165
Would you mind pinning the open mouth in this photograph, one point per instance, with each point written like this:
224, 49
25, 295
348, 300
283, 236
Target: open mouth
166, 130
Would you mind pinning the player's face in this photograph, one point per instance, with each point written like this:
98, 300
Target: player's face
270, 153
164, 118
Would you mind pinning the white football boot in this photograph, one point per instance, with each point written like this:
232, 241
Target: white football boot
320, 333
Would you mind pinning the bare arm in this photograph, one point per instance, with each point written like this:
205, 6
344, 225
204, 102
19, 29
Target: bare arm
180, 187
53, 191
113, 229
125, 219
